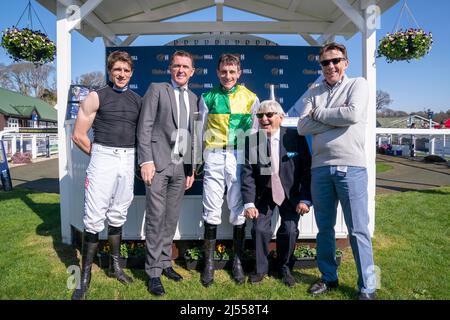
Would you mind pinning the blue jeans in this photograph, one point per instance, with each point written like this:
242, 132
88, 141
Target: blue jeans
328, 186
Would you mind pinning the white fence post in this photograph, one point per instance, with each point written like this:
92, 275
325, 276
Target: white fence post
33, 147
431, 145
13, 145
443, 148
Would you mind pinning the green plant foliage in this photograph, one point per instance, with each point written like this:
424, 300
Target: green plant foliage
123, 250
127, 249
195, 253
304, 251
405, 45
221, 253
29, 45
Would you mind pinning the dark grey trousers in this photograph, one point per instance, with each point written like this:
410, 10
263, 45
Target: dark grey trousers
163, 205
287, 234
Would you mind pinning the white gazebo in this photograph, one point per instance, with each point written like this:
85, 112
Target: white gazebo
316, 21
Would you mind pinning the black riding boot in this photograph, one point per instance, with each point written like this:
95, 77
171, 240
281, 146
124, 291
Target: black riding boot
89, 250
238, 248
207, 277
115, 271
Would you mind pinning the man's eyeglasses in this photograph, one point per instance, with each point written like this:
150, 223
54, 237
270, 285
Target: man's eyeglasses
335, 61
267, 114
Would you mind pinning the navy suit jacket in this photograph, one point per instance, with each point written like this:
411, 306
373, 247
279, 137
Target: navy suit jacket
295, 167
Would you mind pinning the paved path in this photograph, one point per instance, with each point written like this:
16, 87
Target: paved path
407, 175
41, 175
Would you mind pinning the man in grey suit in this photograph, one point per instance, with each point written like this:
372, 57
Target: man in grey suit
165, 156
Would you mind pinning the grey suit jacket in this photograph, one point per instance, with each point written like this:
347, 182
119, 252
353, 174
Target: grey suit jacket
157, 124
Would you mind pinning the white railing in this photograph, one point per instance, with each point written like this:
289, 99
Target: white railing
38, 144
438, 139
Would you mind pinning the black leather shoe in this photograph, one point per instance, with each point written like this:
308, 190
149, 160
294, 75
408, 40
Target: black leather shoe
288, 278
155, 287
322, 287
367, 296
256, 278
172, 274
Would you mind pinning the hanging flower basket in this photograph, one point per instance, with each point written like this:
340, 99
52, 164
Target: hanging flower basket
405, 45
29, 45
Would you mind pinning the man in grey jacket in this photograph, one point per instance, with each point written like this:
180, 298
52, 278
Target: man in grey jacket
165, 156
335, 113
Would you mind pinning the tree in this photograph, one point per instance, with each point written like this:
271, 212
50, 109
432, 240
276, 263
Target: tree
383, 99
49, 96
28, 79
91, 79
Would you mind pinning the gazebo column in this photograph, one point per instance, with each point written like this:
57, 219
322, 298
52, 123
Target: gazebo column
63, 71
369, 47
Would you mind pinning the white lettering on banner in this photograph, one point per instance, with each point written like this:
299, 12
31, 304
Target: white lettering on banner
208, 56
160, 72
133, 86
207, 85
277, 72
284, 57
247, 71
310, 72
135, 58
162, 57
313, 57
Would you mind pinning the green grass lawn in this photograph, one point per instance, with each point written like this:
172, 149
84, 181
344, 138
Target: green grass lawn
383, 167
411, 248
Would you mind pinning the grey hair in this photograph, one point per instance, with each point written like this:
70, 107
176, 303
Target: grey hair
270, 106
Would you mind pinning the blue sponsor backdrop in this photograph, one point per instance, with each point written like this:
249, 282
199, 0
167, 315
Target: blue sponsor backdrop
290, 69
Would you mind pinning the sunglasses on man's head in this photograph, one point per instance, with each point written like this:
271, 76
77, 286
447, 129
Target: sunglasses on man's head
268, 115
335, 61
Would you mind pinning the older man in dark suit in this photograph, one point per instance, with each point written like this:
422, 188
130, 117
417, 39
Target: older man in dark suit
276, 174
165, 156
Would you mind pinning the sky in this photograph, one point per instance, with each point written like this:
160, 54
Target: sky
415, 86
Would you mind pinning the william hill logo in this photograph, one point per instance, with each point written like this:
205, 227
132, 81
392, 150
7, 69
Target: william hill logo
277, 86
313, 57
201, 71
160, 72
311, 72
203, 57
277, 71
162, 57
276, 57
194, 85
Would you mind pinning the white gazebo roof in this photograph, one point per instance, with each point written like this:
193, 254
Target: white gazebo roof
112, 18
